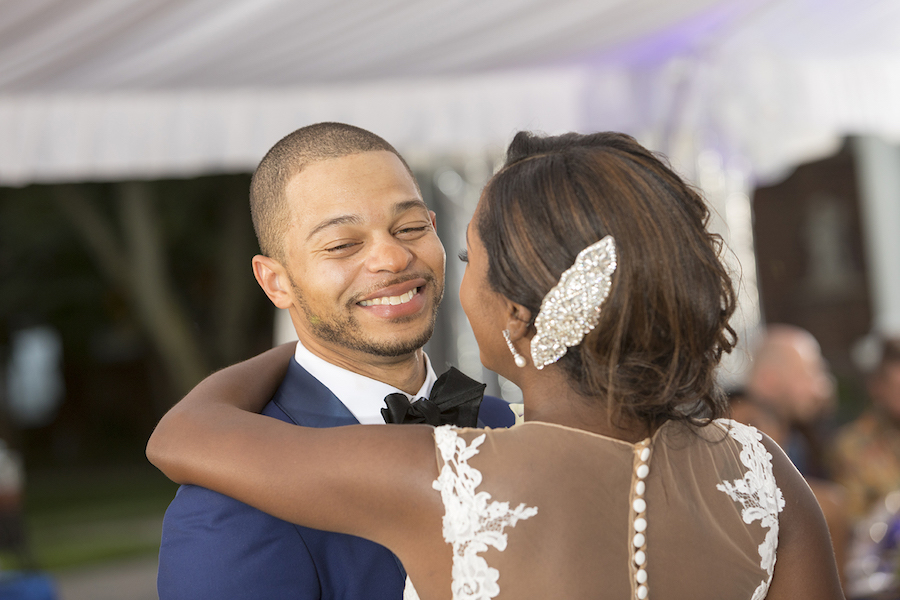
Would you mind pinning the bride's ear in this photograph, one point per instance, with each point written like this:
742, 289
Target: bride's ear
518, 322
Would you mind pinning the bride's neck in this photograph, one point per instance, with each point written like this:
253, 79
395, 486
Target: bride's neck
549, 398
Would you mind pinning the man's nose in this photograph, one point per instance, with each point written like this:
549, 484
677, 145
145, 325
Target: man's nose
388, 254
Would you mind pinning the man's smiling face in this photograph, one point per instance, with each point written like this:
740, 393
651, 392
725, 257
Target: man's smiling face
364, 262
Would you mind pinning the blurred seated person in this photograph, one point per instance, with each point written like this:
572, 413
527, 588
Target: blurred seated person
789, 379
831, 497
867, 452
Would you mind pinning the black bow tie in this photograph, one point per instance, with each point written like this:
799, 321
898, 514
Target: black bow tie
454, 400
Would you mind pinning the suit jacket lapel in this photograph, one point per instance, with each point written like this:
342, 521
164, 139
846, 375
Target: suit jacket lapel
308, 402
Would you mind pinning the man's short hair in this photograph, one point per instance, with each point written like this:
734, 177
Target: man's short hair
307, 145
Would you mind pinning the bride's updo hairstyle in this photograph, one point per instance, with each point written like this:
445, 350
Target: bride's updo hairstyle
664, 326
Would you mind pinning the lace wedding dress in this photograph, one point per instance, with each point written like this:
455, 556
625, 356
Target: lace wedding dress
545, 511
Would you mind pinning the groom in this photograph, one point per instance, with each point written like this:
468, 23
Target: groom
350, 250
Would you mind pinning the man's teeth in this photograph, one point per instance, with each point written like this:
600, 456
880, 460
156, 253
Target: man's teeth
391, 300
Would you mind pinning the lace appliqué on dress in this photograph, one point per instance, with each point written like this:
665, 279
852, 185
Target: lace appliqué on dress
472, 522
758, 494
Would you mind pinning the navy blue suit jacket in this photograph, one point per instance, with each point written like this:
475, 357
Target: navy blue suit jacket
216, 548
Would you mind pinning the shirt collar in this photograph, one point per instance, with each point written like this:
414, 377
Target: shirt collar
363, 396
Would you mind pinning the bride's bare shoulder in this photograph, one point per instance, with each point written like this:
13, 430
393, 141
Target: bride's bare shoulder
806, 566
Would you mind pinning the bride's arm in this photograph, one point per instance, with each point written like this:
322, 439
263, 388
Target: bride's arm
372, 481
247, 385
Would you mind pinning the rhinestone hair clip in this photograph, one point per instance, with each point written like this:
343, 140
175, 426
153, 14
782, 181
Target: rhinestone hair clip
572, 308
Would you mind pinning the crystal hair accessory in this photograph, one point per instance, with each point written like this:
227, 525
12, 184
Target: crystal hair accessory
572, 308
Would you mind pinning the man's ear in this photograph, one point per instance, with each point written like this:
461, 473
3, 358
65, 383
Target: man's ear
273, 279
518, 321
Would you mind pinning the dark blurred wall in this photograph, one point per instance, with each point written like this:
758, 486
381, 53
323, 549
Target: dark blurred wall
812, 268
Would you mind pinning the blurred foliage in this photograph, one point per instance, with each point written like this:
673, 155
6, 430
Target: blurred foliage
852, 397
81, 516
120, 377
46, 275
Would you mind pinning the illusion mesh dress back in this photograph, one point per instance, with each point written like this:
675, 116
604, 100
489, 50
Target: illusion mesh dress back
544, 511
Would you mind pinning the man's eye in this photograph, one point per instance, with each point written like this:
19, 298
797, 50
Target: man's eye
412, 230
341, 247
463, 255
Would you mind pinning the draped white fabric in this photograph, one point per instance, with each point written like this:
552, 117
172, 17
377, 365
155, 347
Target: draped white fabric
89, 45
111, 89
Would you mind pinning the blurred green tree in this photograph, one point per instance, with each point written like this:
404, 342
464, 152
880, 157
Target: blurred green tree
143, 272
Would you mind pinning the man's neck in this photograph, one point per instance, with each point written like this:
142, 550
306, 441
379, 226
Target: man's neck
406, 373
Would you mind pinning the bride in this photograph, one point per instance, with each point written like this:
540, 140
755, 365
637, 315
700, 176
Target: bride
592, 283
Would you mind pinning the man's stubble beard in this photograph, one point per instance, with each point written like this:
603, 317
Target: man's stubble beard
346, 332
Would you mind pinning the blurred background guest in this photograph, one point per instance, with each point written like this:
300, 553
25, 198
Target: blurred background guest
867, 452
866, 460
790, 380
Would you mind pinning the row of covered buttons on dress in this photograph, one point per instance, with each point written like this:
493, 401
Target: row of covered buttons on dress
639, 508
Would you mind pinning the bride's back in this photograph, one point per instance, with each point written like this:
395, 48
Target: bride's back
580, 542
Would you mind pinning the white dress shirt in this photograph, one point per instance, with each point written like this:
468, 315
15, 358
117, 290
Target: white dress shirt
364, 397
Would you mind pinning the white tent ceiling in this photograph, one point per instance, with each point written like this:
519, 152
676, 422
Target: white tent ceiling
93, 45
111, 89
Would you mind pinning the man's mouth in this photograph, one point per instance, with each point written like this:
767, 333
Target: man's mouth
391, 300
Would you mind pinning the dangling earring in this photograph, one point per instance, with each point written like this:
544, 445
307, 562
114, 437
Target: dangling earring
518, 358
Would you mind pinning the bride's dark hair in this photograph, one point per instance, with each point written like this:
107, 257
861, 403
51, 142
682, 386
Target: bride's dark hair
664, 326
